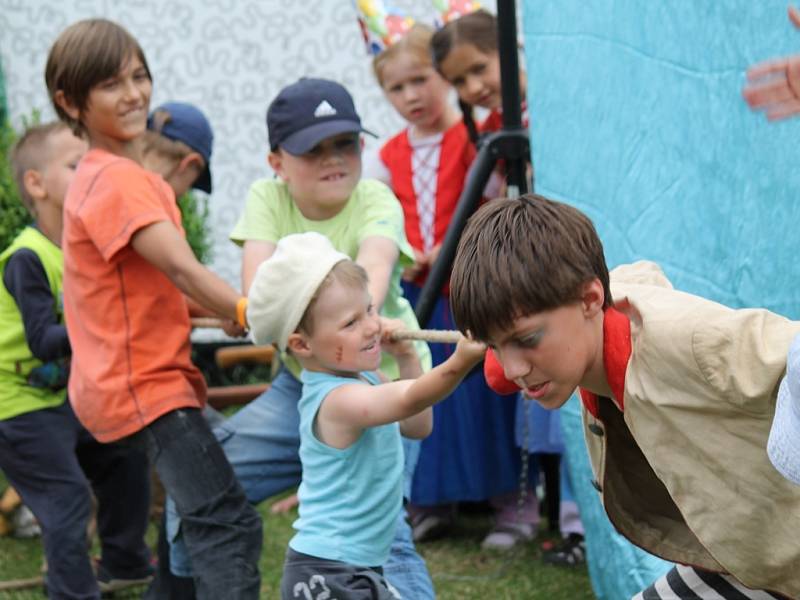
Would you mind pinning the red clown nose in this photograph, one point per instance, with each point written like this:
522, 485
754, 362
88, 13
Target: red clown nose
493, 372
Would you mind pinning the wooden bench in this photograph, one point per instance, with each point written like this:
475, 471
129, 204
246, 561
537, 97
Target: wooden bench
235, 395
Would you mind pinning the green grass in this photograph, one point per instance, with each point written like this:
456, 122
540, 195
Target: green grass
460, 570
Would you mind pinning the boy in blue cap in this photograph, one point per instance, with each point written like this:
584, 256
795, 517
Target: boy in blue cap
178, 146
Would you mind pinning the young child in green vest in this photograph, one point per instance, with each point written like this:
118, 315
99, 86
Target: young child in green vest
45, 453
678, 393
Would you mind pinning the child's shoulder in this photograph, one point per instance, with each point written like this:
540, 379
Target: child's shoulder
368, 190
113, 171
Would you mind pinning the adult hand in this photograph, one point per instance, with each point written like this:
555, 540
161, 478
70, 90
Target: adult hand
774, 85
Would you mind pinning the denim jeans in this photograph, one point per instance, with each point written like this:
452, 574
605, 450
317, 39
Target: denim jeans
262, 442
221, 529
51, 460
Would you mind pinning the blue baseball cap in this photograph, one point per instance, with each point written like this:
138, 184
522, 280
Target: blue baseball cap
189, 125
783, 445
309, 111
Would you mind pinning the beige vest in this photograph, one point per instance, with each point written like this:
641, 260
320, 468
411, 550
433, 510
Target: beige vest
684, 472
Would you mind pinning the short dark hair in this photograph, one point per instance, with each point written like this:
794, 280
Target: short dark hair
31, 152
85, 54
523, 256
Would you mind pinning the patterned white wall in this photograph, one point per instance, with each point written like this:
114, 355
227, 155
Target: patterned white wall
230, 57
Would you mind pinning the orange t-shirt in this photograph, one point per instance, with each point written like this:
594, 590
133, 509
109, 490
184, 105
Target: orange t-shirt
128, 324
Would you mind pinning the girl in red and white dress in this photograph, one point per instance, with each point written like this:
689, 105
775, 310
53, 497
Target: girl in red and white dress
470, 456
465, 52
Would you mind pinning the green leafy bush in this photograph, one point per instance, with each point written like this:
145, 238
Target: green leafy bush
13, 216
195, 216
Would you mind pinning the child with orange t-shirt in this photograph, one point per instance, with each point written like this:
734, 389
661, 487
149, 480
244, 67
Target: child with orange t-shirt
127, 267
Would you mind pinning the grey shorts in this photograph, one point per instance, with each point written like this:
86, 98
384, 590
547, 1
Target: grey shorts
310, 578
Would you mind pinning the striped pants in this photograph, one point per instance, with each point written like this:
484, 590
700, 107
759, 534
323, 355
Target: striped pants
688, 583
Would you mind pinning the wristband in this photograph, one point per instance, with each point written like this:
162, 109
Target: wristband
241, 312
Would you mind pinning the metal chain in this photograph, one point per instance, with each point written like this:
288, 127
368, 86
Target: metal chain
523, 455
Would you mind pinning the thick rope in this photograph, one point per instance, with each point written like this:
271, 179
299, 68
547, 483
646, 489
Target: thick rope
425, 335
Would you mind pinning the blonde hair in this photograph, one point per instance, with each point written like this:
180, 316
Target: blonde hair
154, 141
417, 42
30, 152
348, 273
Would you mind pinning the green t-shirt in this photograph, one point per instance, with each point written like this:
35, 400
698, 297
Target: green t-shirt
270, 214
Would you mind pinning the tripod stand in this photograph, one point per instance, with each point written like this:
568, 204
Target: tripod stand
509, 144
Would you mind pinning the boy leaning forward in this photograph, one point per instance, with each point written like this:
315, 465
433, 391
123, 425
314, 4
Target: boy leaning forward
678, 393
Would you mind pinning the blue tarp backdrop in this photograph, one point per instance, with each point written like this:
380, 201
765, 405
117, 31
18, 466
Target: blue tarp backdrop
637, 119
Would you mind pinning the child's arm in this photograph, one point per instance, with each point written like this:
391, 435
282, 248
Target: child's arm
162, 245
350, 408
25, 279
416, 426
378, 256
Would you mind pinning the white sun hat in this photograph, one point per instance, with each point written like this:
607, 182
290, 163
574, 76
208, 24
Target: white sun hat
285, 283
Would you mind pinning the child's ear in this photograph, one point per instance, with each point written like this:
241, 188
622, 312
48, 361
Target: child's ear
592, 297
297, 344
275, 161
192, 159
32, 180
67, 105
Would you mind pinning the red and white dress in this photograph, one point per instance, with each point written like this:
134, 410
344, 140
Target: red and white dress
471, 454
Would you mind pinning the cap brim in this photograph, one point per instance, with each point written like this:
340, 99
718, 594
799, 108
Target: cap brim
203, 182
304, 140
783, 446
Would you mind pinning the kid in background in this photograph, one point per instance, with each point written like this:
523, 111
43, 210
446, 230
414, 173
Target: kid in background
314, 302
678, 393
45, 453
315, 150
177, 145
126, 268
465, 51
470, 455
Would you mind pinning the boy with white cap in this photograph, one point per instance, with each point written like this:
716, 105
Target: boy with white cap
313, 301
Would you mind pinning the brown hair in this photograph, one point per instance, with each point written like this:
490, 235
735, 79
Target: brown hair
154, 141
348, 273
85, 54
520, 257
31, 152
417, 42
478, 28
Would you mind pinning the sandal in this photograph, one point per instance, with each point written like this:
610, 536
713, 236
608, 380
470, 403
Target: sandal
504, 536
569, 553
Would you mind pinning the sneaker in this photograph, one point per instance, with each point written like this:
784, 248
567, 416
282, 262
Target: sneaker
504, 536
427, 527
111, 583
25, 524
569, 553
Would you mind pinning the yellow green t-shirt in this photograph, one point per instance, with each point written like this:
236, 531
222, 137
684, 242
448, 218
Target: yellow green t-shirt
270, 214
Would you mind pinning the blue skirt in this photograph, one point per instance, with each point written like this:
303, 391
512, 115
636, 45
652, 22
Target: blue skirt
471, 454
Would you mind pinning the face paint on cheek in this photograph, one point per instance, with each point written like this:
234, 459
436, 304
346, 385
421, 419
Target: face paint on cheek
339, 353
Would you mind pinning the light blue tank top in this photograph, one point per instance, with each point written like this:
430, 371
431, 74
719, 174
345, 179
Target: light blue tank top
349, 498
